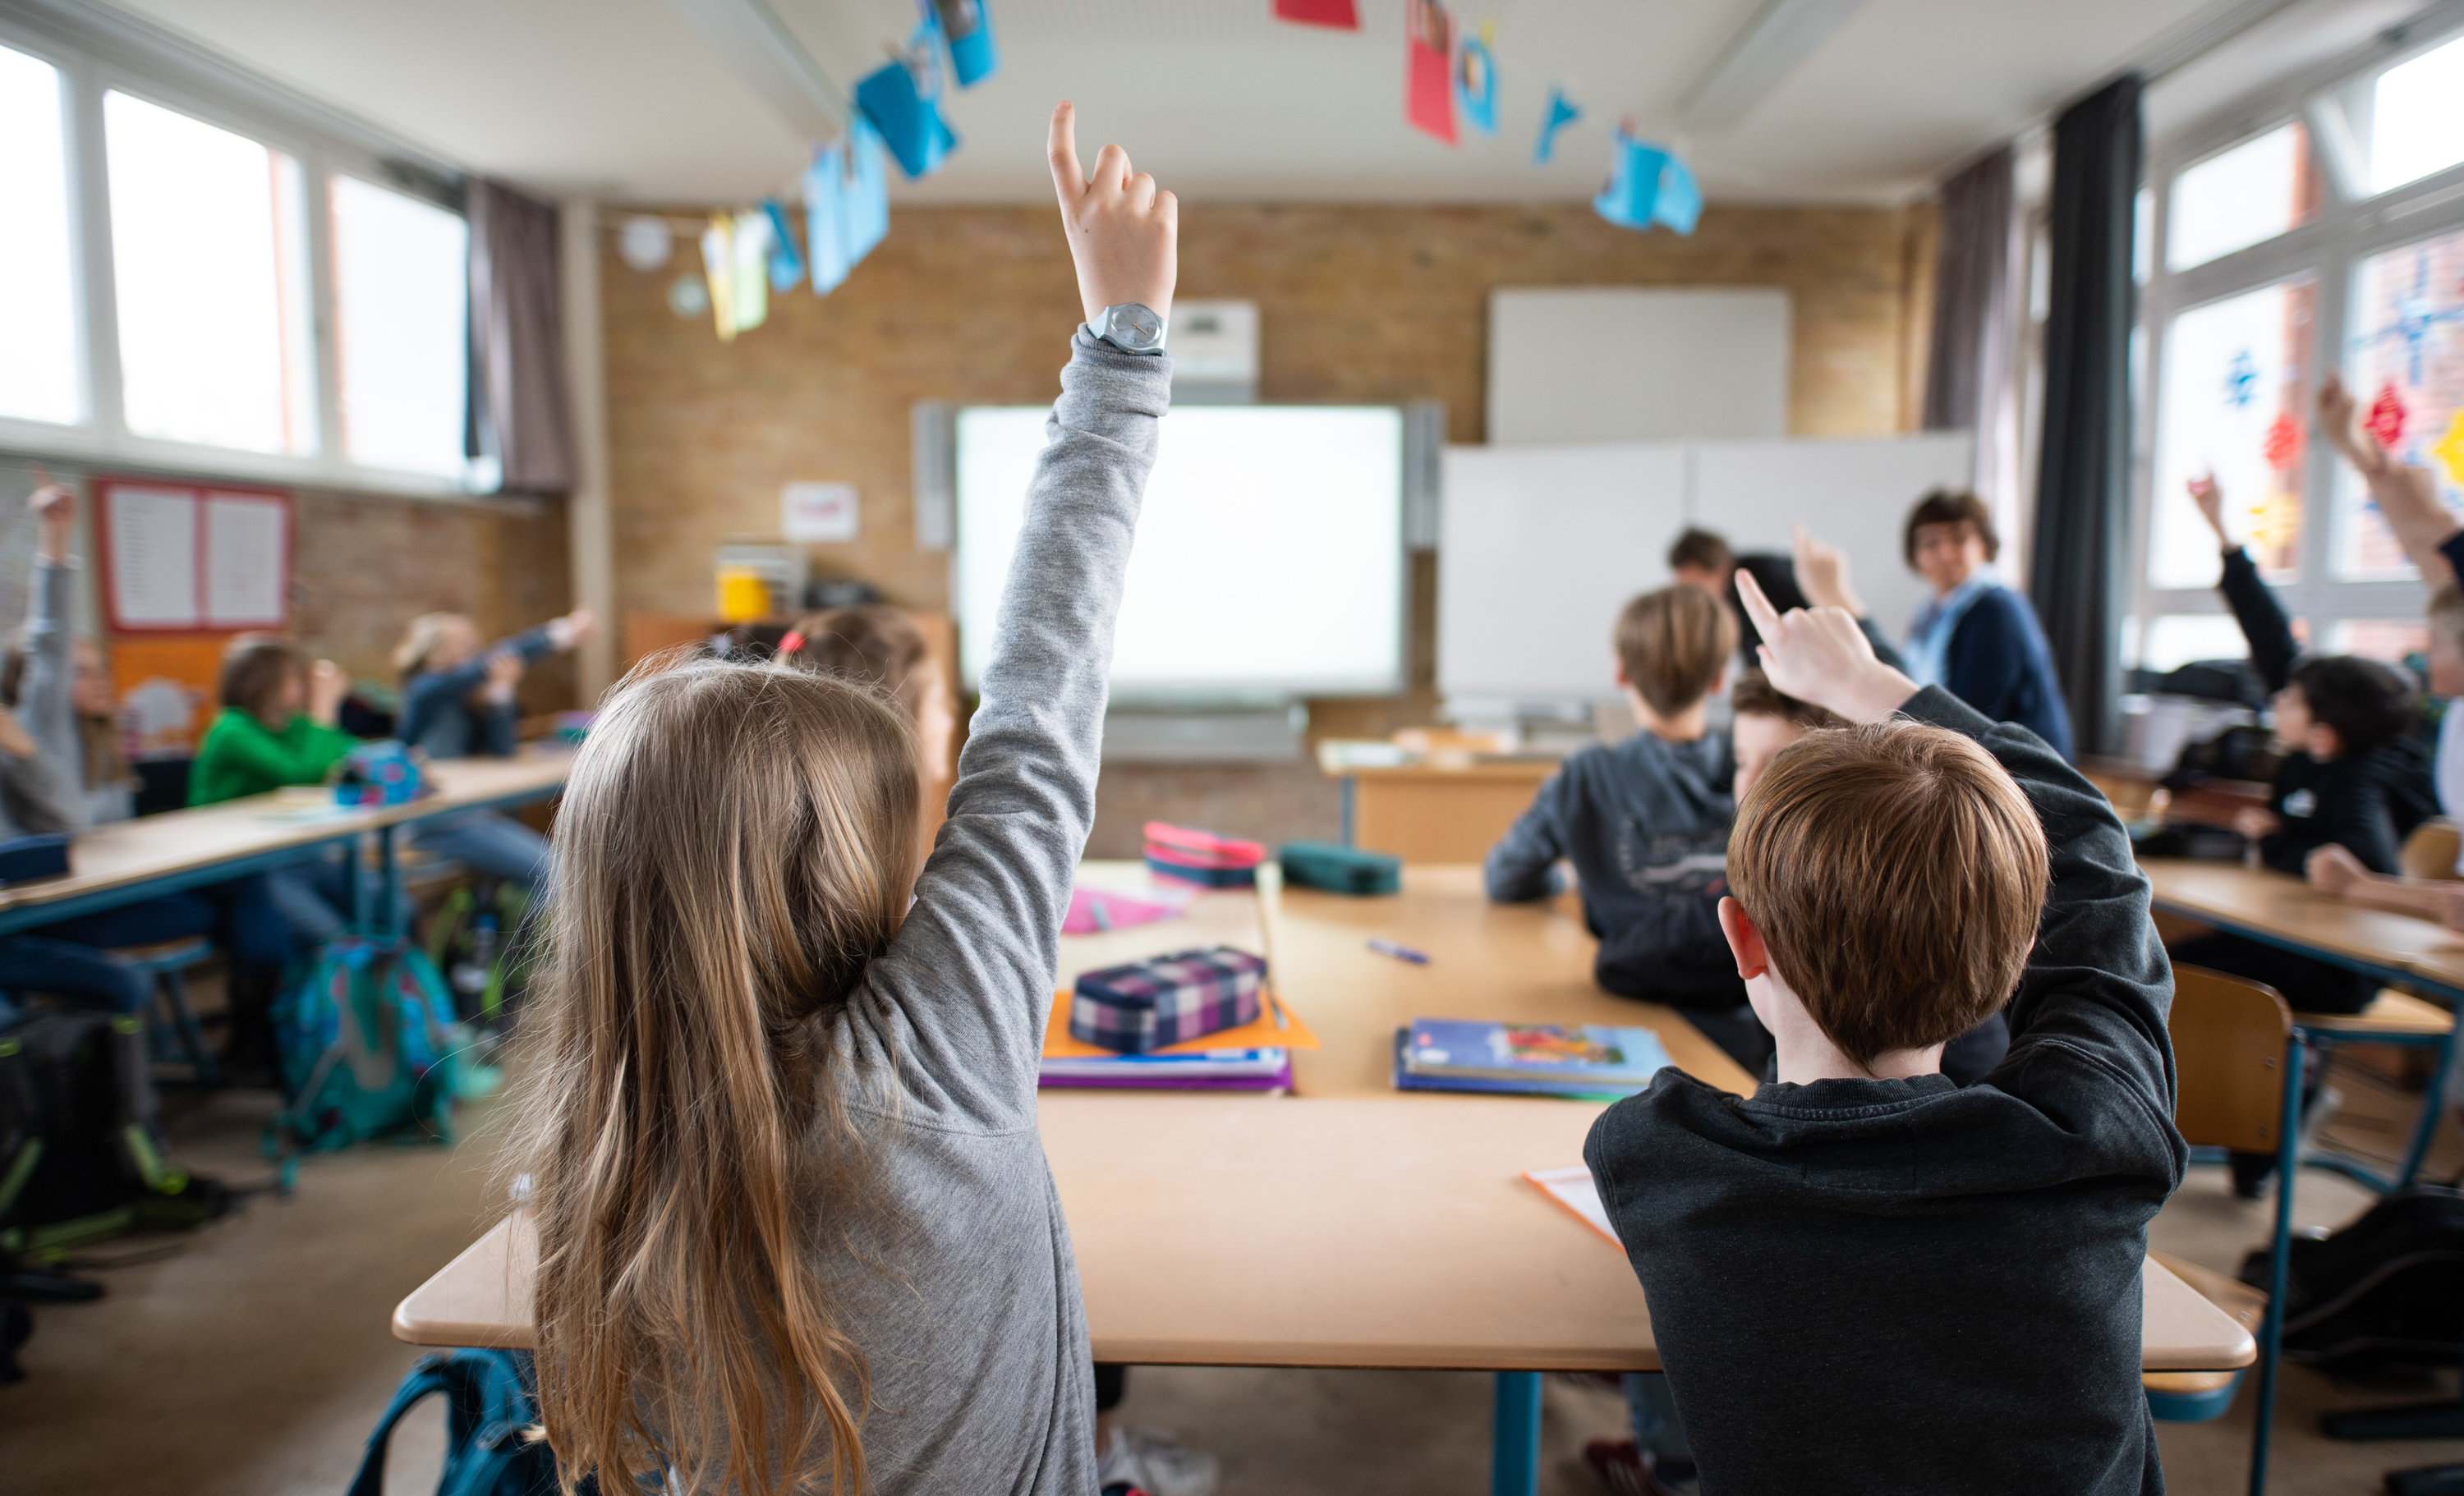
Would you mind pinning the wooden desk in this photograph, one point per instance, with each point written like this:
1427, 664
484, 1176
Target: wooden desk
2281, 910
1427, 813
132, 860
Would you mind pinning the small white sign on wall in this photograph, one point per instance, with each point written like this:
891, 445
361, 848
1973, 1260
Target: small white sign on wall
822, 513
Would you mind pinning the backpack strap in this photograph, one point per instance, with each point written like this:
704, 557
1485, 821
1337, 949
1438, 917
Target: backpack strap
428, 1375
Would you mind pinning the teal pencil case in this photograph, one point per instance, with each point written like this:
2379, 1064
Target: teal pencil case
1341, 870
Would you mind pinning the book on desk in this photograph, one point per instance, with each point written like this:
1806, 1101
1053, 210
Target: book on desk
1583, 1061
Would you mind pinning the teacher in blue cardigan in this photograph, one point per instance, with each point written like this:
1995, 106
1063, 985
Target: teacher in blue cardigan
1975, 637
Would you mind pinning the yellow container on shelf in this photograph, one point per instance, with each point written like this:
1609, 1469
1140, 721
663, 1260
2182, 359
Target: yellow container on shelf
743, 595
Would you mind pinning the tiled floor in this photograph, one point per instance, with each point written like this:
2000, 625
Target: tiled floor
254, 1357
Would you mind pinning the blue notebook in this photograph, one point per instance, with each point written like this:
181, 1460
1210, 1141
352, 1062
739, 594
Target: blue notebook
1528, 1059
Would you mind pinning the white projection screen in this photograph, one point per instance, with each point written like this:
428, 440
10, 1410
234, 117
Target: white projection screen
1270, 556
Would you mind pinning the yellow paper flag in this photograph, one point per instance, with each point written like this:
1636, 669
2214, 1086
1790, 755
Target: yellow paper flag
2450, 450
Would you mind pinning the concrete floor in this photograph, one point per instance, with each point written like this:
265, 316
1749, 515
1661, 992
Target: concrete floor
253, 1357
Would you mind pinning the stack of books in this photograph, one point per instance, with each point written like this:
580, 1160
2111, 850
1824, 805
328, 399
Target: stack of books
1586, 1061
1268, 1068
1203, 857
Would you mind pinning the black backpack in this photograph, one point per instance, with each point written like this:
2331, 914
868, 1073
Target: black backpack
2385, 1290
76, 1166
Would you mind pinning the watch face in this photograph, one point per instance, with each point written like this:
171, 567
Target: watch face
1138, 327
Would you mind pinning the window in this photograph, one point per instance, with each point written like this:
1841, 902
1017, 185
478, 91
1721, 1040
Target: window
209, 259
2235, 404
2241, 197
2394, 640
2416, 117
401, 308
2407, 370
2172, 640
39, 377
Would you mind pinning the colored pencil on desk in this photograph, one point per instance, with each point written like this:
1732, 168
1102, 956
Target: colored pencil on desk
1400, 952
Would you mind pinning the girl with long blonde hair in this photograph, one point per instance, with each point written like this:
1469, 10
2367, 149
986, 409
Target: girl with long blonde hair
796, 1227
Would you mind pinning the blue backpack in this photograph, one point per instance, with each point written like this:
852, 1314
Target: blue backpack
489, 1413
367, 1048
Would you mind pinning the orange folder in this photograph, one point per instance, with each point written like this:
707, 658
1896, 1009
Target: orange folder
1259, 1033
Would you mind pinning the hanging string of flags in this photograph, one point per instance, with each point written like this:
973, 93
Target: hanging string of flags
1451, 85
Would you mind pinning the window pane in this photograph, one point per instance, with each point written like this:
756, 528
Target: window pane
2389, 639
2417, 117
2407, 370
401, 340
211, 266
2235, 199
2233, 405
2174, 640
39, 375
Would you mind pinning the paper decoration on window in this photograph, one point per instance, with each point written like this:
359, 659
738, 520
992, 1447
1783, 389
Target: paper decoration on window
2386, 417
969, 31
1561, 113
1428, 56
2282, 447
903, 100
187, 559
2242, 381
823, 514
718, 268
1646, 185
786, 261
749, 280
1476, 79
1337, 13
2450, 450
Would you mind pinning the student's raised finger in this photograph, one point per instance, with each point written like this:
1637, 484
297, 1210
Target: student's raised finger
1061, 145
1111, 170
1758, 608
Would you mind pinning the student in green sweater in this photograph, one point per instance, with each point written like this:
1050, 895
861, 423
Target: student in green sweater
276, 726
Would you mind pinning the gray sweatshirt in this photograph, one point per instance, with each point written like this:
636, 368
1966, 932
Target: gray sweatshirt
960, 1287
45, 793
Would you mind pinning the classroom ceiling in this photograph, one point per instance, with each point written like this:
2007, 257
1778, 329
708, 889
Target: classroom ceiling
626, 99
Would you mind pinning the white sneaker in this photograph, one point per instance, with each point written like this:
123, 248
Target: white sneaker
1153, 1462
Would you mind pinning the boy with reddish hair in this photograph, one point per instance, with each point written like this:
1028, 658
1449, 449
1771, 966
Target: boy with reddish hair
1859, 1270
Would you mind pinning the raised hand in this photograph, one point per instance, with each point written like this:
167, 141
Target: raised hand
1123, 231
504, 673
327, 686
2211, 502
572, 628
1822, 572
2337, 422
1820, 655
55, 506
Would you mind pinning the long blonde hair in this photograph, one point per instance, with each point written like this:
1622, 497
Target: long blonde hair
737, 842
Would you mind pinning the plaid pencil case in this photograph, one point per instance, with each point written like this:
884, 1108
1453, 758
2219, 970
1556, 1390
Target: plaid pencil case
1147, 1004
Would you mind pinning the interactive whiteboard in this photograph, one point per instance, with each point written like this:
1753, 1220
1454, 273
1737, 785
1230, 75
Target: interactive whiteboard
1269, 554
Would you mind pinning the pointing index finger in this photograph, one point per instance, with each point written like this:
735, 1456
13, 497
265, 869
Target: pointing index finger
1758, 608
1061, 145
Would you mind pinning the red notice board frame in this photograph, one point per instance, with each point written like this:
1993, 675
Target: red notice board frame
107, 491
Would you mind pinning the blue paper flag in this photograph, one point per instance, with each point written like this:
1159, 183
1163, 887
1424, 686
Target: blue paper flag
968, 28
1648, 185
846, 205
786, 263
1476, 82
1561, 114
908, 117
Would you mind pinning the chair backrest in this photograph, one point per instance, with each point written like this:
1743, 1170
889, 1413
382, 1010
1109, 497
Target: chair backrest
2230, 1036
2430, 851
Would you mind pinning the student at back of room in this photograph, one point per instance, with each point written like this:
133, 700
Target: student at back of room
1644, 822
1863, 1278
795, 1219
457, 701
1975, 637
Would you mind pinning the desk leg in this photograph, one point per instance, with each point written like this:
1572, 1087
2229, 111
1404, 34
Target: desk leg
1514, 1457
388, 885
1347, 789
2433, 1111
354, 886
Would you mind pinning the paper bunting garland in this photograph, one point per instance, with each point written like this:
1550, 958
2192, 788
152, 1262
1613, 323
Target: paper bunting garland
1476, 79
903, 99
847, 203
1428, 66
2282, 445
786, 261
1338, 15
1646, 185
719, 267
969, 33
2386, 417
1561, 113
748, 282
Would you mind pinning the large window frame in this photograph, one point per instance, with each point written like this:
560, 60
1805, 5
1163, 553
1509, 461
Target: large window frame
97, 56
2351, 225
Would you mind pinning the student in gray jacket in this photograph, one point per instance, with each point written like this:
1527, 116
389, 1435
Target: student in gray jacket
794, 1216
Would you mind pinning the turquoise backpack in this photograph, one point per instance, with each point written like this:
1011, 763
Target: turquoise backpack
488, 1415
367, 1049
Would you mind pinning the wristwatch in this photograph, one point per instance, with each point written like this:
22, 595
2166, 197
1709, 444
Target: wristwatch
1129, 327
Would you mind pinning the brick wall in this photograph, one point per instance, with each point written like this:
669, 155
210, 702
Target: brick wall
1358, 304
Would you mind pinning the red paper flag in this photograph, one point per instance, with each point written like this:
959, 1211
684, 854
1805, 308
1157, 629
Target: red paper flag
1428, 50
2282, 447
2385, 420
1337, 13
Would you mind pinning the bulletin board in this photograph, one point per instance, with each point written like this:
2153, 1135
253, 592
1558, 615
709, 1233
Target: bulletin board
184, 558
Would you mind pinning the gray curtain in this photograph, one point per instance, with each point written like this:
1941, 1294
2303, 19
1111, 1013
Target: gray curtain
1969, 367
518, 407
2083, 477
